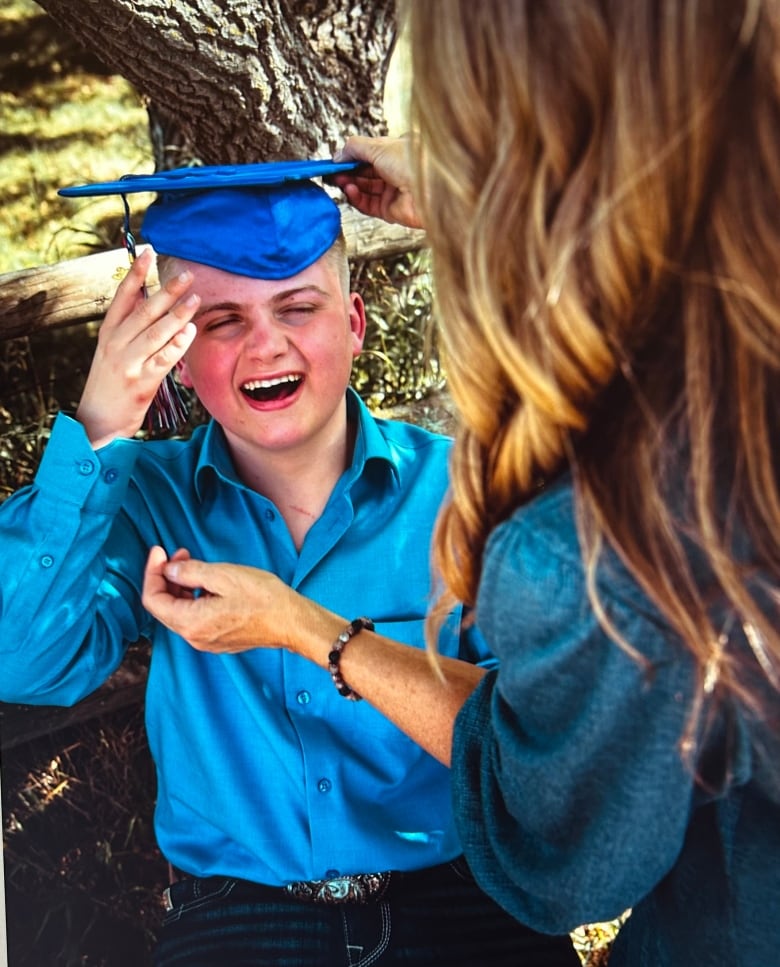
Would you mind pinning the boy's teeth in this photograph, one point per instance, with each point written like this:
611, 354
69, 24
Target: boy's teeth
277, 388
269, 383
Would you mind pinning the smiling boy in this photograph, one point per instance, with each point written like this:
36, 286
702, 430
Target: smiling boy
270, 363
303, 828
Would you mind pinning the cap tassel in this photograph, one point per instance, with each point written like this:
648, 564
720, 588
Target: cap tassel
168, 411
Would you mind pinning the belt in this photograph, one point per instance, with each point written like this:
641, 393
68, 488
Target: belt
352, 888
355, 888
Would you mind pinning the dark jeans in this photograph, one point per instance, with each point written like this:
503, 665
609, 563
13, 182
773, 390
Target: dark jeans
433, 918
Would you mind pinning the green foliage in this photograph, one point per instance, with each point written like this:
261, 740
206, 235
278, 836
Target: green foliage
39, 375
399, 361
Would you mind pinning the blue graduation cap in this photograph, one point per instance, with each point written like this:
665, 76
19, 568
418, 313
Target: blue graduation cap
267, 221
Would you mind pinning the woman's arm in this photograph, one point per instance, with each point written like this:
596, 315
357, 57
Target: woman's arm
230, 608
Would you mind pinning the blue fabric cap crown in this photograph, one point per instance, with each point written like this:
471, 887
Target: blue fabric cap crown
262, 232
266, 221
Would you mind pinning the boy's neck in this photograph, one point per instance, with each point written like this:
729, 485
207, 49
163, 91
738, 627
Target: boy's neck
299, 482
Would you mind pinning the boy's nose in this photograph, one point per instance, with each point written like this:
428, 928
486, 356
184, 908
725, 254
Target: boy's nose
266, 339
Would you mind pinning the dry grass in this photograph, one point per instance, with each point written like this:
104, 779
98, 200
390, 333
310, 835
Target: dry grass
83, 873
593, 942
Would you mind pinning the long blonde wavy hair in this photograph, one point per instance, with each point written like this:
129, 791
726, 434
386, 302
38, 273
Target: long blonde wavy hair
600, 182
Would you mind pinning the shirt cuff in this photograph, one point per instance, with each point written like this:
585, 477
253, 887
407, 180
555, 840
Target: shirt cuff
72, 472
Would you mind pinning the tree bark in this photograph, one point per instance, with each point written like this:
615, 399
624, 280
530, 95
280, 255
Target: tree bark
244, 80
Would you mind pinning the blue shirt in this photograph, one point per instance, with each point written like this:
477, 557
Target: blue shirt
572, 798
264, 771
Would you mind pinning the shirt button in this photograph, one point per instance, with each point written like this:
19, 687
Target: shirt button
110, 475
324, 785
86, 467
331, 874
303, 697
47, 560
270, 515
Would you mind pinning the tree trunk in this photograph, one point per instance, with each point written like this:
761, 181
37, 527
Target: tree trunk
243, 80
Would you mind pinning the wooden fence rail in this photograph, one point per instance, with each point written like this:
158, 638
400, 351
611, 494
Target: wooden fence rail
79, 291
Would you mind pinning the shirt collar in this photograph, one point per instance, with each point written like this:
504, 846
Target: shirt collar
371, 448
370, 443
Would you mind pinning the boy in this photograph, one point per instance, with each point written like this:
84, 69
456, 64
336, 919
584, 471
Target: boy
282, 807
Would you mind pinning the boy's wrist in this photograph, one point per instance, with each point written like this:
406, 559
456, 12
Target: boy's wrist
100, 432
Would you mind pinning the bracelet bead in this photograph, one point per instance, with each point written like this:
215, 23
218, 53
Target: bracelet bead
334, 657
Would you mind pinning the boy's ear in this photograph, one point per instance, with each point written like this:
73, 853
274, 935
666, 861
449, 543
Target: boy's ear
183, 372
357, 322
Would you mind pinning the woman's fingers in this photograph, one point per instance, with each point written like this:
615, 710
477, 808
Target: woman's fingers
382, 186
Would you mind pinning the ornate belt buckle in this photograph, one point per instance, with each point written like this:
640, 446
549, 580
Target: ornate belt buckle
356, 888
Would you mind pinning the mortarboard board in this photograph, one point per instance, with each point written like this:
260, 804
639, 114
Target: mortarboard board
266, 220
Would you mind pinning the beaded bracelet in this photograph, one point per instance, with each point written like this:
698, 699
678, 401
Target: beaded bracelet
334, 657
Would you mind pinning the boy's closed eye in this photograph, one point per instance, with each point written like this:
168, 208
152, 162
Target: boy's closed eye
299, 310
222, 323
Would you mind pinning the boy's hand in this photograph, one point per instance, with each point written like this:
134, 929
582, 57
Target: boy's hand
139, 342
382, 187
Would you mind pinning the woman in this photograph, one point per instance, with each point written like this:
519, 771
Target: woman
600, 185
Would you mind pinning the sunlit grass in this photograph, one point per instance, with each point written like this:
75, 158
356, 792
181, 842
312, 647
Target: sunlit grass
59, 125
66, 131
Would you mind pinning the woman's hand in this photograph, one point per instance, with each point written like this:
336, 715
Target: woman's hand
139, 342
383, 186
220, 608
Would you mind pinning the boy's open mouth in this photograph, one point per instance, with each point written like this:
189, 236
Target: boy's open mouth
269, 390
